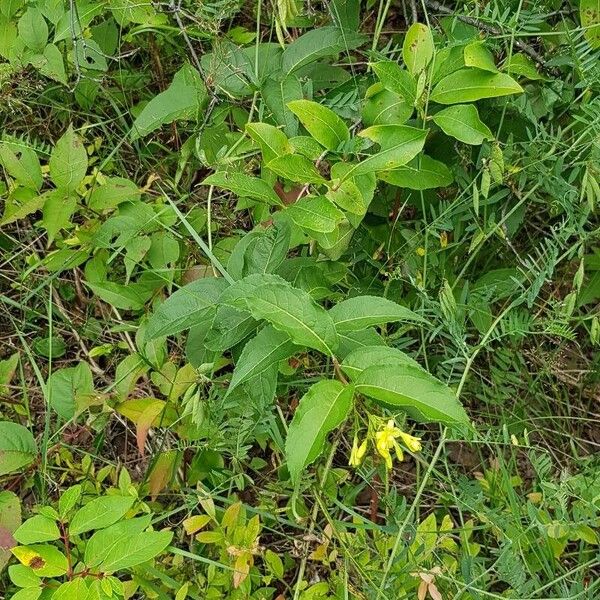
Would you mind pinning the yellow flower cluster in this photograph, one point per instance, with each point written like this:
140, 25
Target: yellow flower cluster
386, 439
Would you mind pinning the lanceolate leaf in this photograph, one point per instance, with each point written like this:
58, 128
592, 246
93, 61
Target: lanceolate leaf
267, 348
245, 186
361, 312
321, 122
288, 309
323, 408
318, 43
399, 144
414, 390
468, 85
462, 122
421, 173
186, 307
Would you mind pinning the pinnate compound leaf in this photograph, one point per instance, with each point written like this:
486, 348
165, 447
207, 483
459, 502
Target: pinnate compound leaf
469, 85
288, 309
185, 308
37, 529
245, 186
462, 122
68, 162
315, 214
265, 349
413, 390
399, 144
361, 312
17, 447
318, 43
321, 122
323, 408
418, 48
99, 513
421, 173
183, 99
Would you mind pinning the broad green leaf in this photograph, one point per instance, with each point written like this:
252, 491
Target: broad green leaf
59, 207
396, 80
323, 408
418, 48
50, 63
10, 7
68, 161
421, 173
265, 349
521, 64
315, 214
288, 309
383, 107
23, 576
477, 55
17, 447
69, 387
347, 195
26, 168
463, 123
353, 340
37, 529
71, 590
228, 328
318, 43
33, 29
99, 513
44, 559
134, 550
29, 593
113, 192
245, 186
589, 14
10, 519
126, 297
272, 141
412, 389
67, 501
361, 312
368, 356
321, 122
468, 85
183, 99
8, 369
296, 167
277, 92
399, 144
186, 307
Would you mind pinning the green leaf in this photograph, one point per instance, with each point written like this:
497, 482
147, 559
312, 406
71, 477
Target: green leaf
17, 447
321, 122
347, 195
29, 593
277, 92
318, 43
361, 312
477, 55
68, 161
315, 214
23, 576
463, 123
468, 85
26, 168
288, 309
99, 513
383, 107
421, 173
183, 99
8, 369
228, 328
521, 64
267, 348
44, 559
68, 387
125, 297
323, 408
71, 590
67, 501
134, 550
418, 48
185, 308
113, 192
59, 207
33, 29
396, 80
296, 167
412, 389
50, 63
399, 144
368, 356
272, 141
10, 519
589, 14
244, 186
37, 529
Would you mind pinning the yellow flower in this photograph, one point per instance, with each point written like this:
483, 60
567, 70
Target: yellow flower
385, 440
411, 442
357, 453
